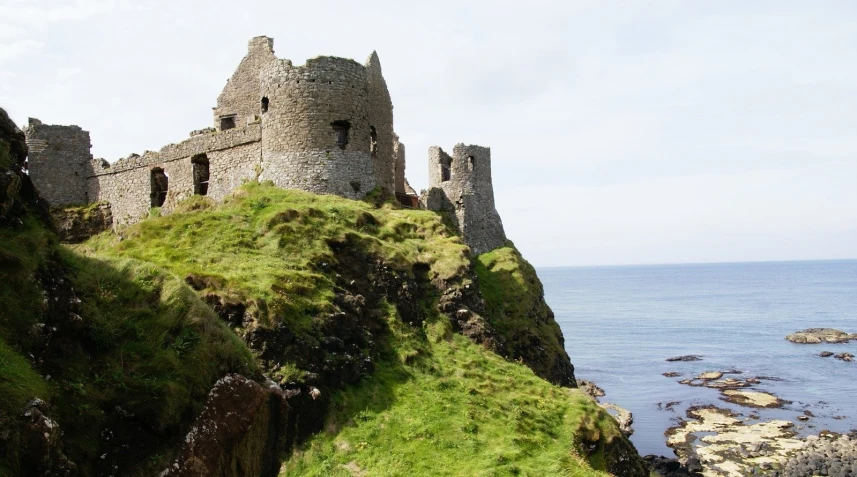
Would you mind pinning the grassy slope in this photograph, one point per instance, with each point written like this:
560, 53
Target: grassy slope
437, 404
268, 246
455, 409
147, 344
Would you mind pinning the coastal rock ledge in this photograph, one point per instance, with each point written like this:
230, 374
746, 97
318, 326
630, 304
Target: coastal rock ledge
821, 335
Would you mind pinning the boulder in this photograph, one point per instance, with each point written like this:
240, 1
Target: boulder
242, 430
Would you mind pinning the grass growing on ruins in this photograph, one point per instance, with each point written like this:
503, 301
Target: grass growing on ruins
269, 247
441, 405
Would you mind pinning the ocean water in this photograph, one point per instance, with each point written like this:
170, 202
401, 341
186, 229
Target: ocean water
622, 323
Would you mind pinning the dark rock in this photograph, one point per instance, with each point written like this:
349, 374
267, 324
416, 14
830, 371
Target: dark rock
77, 224
672, 374
690, 357
845, 356
40, 443
242, 430
825, 354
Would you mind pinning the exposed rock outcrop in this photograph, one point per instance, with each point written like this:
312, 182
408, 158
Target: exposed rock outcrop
76, 224
820, 335
243, 430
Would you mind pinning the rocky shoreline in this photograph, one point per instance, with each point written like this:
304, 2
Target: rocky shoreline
715, 441
734, 444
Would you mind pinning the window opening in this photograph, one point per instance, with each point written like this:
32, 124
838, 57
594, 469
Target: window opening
227, 122
200, 174
445, 172
471, 163
160, 185
265, 103
340, 128
373, 141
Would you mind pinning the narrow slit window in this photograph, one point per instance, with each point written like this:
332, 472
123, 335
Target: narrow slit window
227, 122
373, 141
471, 163
200, 174
340, 129
160, 186
265, 103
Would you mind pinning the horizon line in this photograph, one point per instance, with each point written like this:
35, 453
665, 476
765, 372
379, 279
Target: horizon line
670, 264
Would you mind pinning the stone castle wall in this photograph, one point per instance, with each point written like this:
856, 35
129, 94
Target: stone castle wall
399, 166
381, 119
233, 157
324, 127
302, 142
59, 162
240, 98
461, 184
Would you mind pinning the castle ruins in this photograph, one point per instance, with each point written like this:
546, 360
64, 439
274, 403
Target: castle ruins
324, 127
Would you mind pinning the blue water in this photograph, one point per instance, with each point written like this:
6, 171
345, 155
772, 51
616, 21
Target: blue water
622, 323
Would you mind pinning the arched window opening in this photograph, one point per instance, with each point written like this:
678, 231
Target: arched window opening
265, 105
373, 141
200, 174
160, 186
340, 128
471, 163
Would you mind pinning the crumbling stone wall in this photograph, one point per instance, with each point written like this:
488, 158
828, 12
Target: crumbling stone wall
381, 119
399, 166
240, 97
302, 146
233, 158
325, 127
461, 184
59, 162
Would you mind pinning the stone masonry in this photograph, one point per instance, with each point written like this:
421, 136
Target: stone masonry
461, 184
324, 127
59, 162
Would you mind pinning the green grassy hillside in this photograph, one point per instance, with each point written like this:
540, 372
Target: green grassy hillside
310, 291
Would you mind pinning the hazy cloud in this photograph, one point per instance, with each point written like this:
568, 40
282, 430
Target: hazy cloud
621, 132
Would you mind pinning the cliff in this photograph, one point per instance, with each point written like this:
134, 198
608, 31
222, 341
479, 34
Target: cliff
283, 331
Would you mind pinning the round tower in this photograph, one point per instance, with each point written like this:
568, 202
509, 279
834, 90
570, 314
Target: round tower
316, 131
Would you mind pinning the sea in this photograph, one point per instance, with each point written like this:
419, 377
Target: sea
621, 323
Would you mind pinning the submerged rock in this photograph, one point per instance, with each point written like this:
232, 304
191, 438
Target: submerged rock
689, 357
845, 356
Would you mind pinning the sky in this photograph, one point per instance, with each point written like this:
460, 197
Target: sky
621, 132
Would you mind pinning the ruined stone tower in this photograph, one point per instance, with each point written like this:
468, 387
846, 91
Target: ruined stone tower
327, 126
59, 162
461, 184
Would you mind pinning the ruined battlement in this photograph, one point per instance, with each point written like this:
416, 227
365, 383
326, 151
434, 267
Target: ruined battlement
461, 184
59, 162
325, 127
